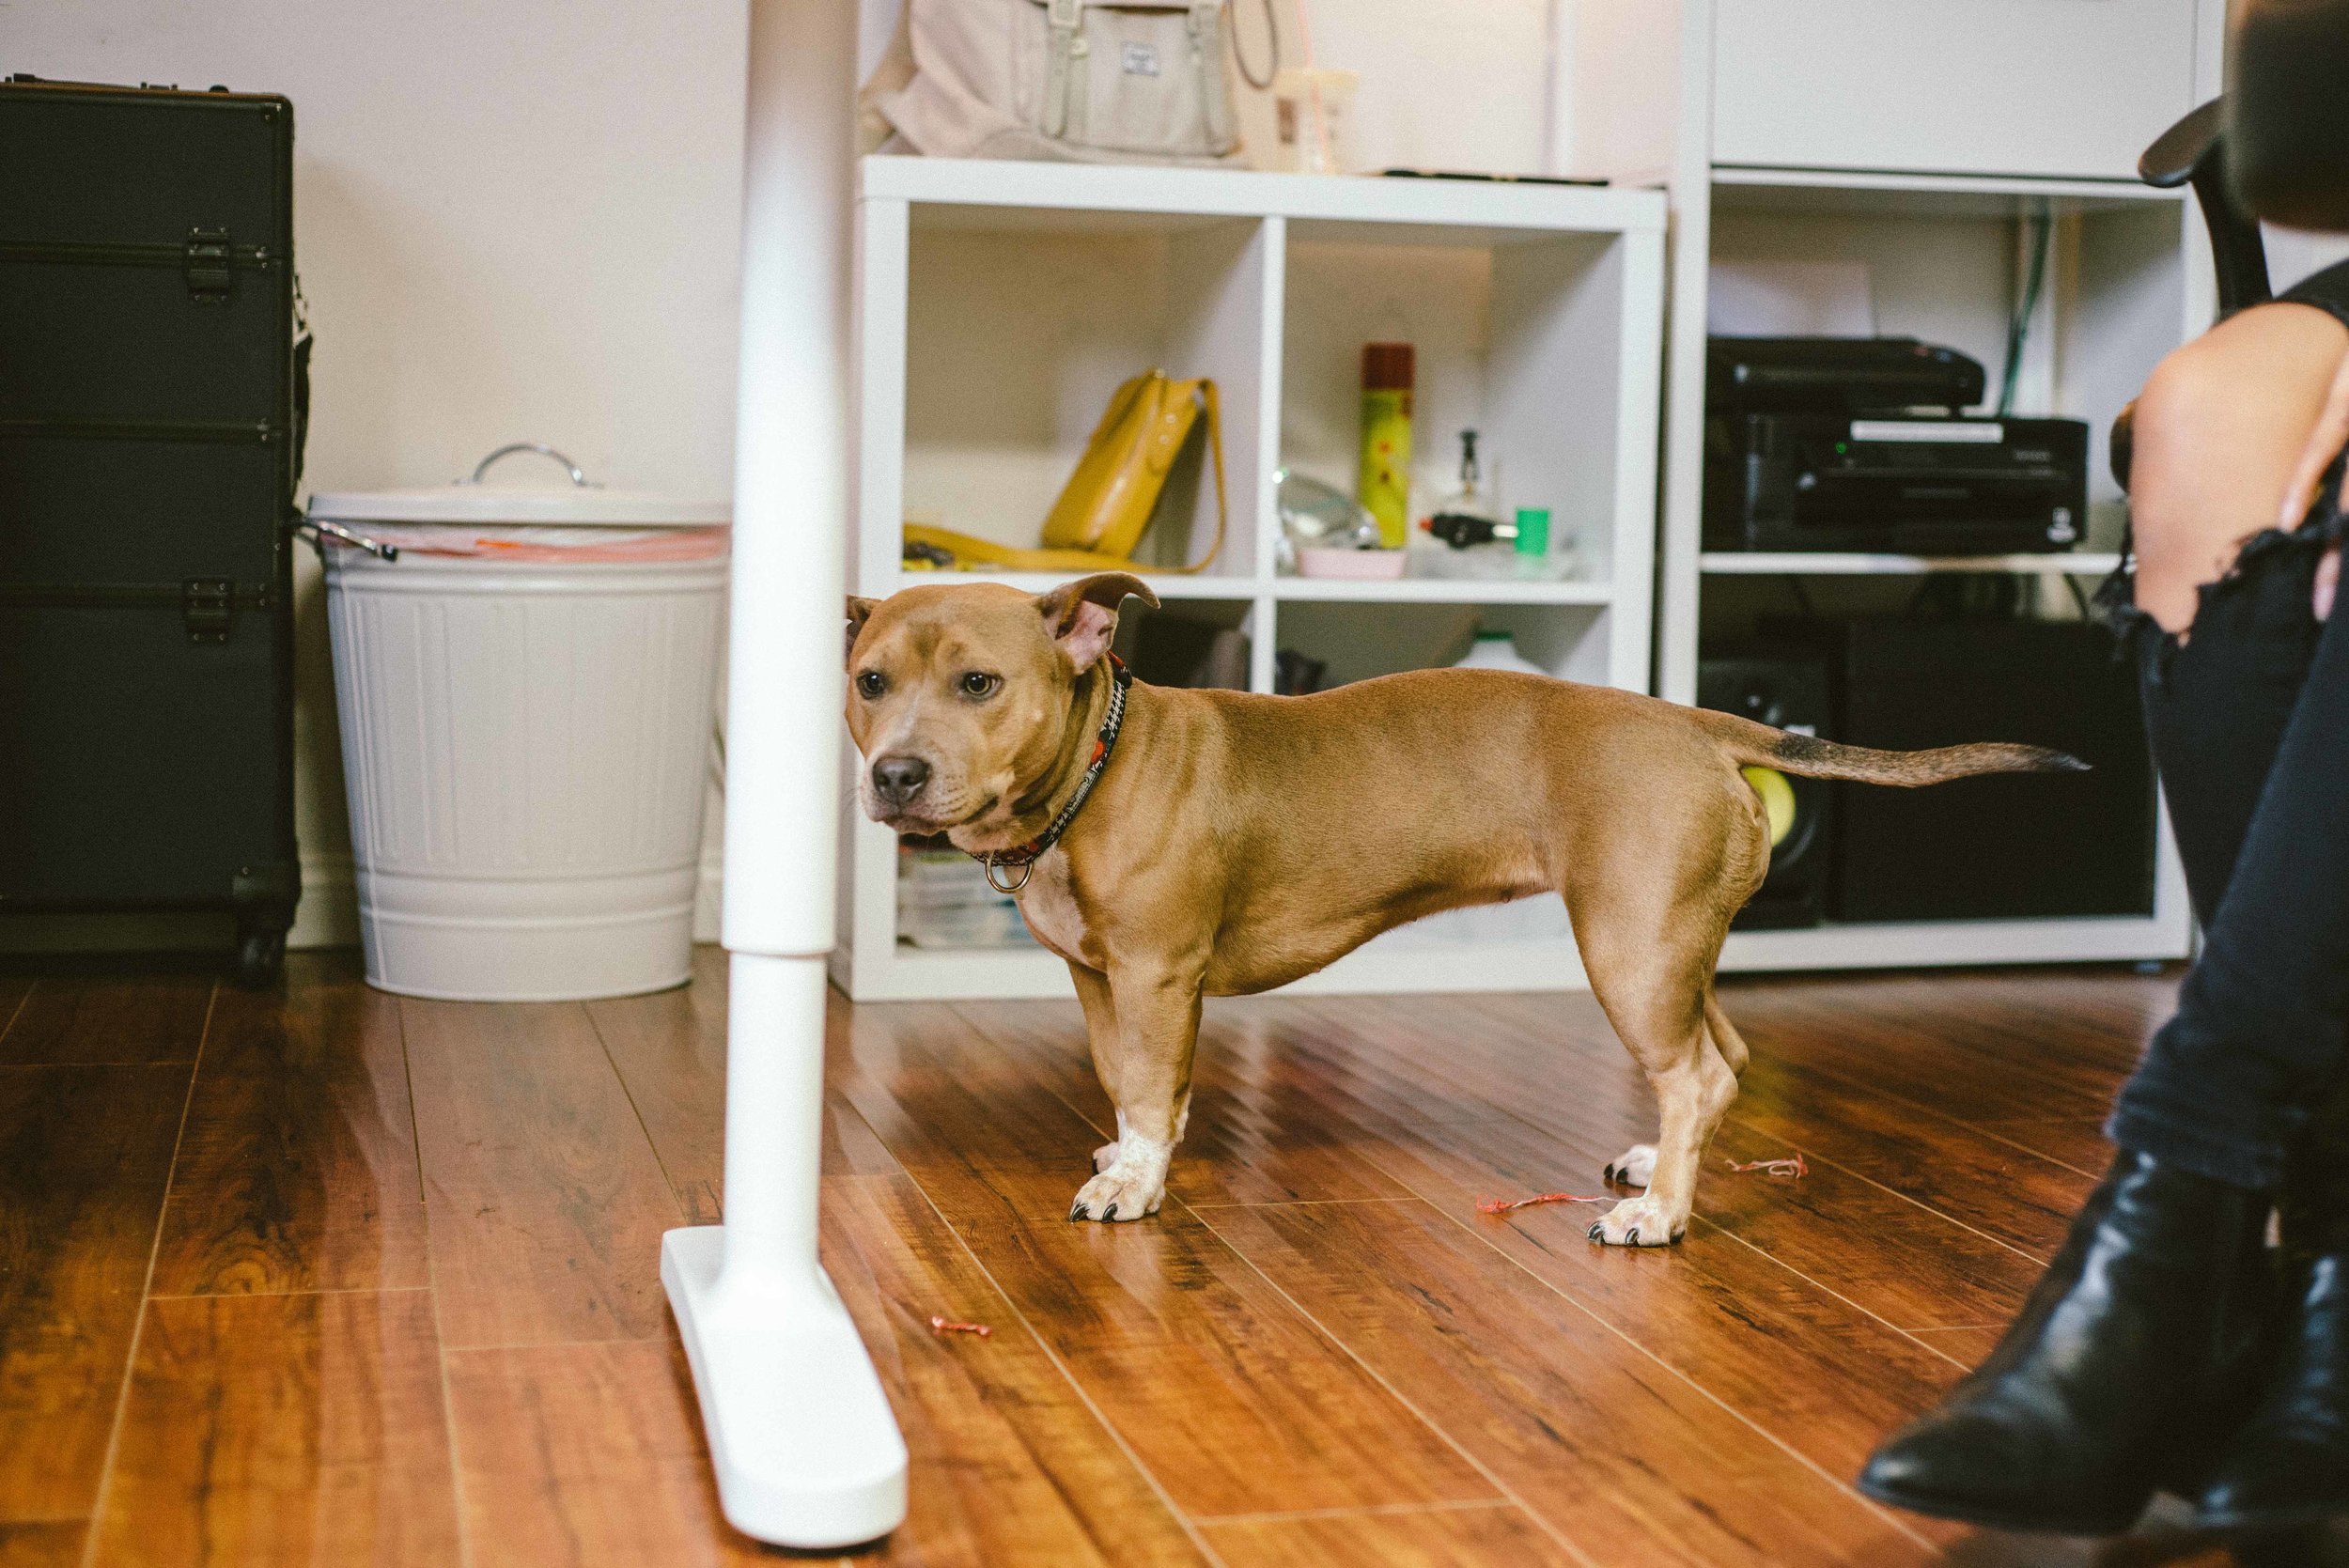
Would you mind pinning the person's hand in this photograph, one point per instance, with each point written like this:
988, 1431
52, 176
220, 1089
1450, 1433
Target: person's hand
2324, 444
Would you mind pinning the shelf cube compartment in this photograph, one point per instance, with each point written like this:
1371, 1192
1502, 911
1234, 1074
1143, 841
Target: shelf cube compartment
1019, 328
1518, 335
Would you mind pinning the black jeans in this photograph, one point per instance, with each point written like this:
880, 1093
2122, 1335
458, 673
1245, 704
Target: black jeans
2248, 720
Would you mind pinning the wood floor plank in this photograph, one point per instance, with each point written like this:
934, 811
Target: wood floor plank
51, 1543
298, 1168
1629, 1461
294, 1430
1250, 1139
1427, 1538
85, 1154
1024, 1472
92, 1019
1227, 1396
586, 1456
2005, 1192
14, 989
1966, 1069
1995, 1188
670, 1051
1015, 1468
544, 1203
1904, 1265
1968, 1347
1805, 1364
2081, 1145
1868, 1244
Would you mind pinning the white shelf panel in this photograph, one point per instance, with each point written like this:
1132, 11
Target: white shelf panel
1325, 590
1167, 586
1950, 194
1748, 563
963, 188
1927, 944
1440, 590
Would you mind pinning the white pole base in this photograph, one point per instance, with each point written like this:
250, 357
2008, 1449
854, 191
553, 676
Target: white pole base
806, 1451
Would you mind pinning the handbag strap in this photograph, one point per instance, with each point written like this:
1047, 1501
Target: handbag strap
1214, 407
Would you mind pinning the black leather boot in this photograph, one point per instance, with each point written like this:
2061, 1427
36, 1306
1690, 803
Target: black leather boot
2289, 1462
2133, 1354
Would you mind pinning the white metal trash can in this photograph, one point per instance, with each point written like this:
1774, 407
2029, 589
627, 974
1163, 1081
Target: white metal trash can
526, 702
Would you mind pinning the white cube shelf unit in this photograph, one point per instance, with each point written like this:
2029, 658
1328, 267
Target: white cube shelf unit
999, 304
1877, 181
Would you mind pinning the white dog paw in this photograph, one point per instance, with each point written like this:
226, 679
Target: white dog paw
1105, 1156
1133, 1186
1635, 1166
1638, 1222
1121, 1192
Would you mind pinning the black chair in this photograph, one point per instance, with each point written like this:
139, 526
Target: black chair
2193, 151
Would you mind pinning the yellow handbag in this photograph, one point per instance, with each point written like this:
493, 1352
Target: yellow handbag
1106, 502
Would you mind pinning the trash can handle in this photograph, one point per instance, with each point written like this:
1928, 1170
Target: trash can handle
578, 476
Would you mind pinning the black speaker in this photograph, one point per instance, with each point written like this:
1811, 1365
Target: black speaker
1784, 686
2007, 846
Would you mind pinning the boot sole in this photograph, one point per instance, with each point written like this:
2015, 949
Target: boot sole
2271, 1518
1990, 1517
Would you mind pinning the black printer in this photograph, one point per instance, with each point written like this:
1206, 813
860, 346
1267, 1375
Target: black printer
1858, 444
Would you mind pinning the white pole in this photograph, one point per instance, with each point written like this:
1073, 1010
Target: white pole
806, 1451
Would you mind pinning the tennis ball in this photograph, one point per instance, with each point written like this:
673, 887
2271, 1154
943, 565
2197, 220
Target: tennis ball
1777, 800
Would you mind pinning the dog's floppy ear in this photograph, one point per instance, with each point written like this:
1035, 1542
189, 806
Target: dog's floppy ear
860, 611
1082, 616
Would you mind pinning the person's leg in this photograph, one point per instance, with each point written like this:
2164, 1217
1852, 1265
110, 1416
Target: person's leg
2141, 1338
2223, 665
2218, 431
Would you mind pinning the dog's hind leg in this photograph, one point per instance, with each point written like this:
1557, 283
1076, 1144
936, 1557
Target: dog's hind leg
1726, 1039
1649, 942
1636, 1166
1092, 993
1157, 1030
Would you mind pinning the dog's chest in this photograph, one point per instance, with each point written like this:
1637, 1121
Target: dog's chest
1049, 905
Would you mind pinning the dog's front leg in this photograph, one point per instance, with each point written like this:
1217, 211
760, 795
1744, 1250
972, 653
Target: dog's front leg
1093, 991
1156, 1012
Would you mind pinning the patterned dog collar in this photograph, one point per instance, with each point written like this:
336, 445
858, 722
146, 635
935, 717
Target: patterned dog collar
1024, 859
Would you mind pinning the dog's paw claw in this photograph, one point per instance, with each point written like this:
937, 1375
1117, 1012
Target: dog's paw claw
1638, 1222
1123, 1193
1635, 1167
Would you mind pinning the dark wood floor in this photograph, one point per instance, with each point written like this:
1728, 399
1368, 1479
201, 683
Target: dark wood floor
324, 1277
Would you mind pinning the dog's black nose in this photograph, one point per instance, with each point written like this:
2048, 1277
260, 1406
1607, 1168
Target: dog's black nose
898, 780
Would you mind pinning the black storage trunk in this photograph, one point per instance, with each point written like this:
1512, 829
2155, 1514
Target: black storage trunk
149, 444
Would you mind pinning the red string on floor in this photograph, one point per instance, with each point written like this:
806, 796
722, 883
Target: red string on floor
942, 1326
1789, 1166
1498, 1205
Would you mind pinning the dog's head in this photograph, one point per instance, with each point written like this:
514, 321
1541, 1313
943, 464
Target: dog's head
959, 696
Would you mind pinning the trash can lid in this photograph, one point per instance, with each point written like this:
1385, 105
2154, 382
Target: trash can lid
577, 502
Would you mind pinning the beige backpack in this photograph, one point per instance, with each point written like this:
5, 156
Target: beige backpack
1137, 81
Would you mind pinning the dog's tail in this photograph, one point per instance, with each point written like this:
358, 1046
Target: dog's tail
1812, 759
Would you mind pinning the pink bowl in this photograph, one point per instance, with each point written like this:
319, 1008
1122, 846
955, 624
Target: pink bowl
1317, 561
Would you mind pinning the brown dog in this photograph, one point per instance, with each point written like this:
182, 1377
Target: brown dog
1233, 841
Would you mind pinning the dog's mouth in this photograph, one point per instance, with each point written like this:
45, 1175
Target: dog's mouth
920, 824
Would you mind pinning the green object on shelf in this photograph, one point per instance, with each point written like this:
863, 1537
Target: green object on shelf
1533, 531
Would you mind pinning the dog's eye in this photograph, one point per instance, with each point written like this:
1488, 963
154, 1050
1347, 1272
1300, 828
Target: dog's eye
978, 684
871, 683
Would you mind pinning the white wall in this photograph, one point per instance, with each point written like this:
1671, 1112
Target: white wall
513, 219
